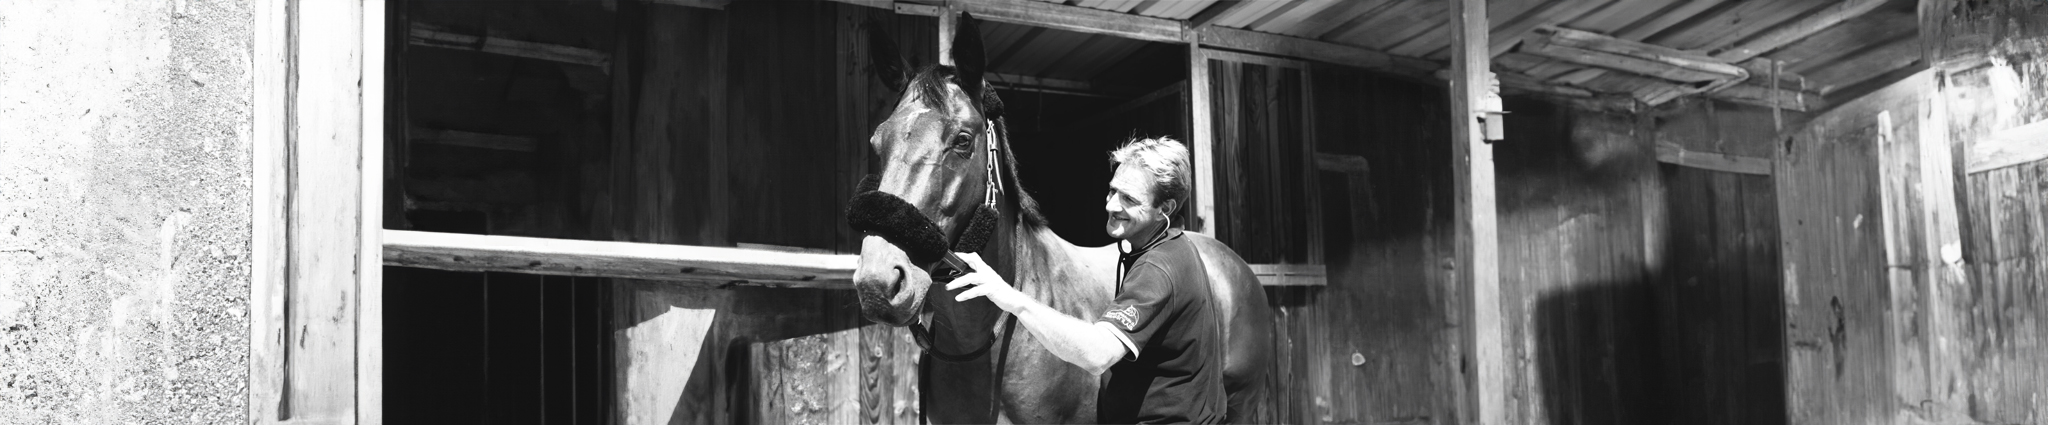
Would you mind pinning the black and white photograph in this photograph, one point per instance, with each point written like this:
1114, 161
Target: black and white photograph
907, 212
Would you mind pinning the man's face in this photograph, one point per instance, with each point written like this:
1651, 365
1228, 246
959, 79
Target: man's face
1132, 211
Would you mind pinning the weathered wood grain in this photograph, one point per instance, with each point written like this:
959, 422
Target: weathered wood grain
1625, 55
2009, 147
305, 309
1671, 153
701, 265
1480, 394
269, 212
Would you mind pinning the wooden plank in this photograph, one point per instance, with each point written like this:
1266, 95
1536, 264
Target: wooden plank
1258, 42
1026, 80
1671, 153
2009, 147
1476, 368
713, 266
1291, 274
1791, 32
428, 35
317, 301
1273, 61
1215, 11
1072, 18
369, 367
1632, 56
1202, 137
272, 49
469, 139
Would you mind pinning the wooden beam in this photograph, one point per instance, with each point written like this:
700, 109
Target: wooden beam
1673, 154
1280, 45
702, 265
1475, 367
1215, 11
473, 140
1202, 138
2009, 147
1291, 274
1094, 21
434, 36
369, 229
1791, 32
314, 200
269, 215
1073, 18
1628, 55
1052, 83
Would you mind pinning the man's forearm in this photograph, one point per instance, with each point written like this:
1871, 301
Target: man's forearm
1077, 341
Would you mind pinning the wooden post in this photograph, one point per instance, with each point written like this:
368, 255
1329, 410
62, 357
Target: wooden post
369, 231
1476, 372
1202, 135
949, 19
313, 354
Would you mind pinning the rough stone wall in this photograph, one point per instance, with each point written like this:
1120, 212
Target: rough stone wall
125, 178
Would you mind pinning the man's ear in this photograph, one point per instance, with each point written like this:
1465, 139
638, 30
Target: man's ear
1170, 207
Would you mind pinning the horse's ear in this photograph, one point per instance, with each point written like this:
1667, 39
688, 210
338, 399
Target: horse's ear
885, 61
968, 58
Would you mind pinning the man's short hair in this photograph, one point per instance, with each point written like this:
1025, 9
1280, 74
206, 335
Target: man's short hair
1165, 159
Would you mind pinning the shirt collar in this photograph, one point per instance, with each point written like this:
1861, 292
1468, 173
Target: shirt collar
1164, 235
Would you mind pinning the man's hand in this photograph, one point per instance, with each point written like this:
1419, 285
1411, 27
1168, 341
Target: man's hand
987, 284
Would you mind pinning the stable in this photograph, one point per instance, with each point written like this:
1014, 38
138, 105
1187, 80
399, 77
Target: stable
632, 211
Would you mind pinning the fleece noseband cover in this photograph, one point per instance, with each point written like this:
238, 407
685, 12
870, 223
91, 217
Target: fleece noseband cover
884, 214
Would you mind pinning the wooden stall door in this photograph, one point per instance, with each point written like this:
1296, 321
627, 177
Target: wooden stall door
1266, 191
1842, 354
1719, 302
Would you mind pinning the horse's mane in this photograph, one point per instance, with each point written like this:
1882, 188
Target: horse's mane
930, 84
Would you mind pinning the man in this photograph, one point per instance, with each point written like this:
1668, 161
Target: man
1158, 347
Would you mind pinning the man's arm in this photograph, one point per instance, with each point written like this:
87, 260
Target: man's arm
1093, 348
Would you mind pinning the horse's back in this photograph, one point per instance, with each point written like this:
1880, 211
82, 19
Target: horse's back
1247, 318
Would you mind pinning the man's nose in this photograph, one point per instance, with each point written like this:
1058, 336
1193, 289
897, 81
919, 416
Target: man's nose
1109, 203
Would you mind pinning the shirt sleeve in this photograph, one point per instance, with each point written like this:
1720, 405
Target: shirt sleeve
1134, 315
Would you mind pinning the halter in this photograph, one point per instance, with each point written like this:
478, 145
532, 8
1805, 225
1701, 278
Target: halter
875, 212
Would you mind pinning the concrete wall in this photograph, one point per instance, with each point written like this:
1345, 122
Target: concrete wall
124, 211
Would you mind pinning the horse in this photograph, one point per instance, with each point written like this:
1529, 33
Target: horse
949, 183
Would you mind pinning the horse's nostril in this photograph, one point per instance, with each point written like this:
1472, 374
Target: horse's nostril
896, 285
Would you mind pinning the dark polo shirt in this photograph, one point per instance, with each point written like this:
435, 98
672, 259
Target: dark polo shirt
1165, 315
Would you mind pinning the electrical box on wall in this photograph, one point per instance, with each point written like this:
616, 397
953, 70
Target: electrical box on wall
1492, 116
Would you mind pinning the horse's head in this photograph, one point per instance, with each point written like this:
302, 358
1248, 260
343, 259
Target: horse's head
937, 154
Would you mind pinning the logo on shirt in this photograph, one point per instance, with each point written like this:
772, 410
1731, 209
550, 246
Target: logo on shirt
1128, 316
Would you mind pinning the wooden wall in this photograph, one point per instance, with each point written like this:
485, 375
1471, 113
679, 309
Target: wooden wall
1719, 292
1996, 318
747, 126
1840, 363
1362, 349
1635, 293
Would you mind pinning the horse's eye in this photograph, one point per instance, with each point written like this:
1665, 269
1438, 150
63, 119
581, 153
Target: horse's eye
962, 142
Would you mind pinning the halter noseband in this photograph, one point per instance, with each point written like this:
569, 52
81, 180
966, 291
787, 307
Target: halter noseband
873, 211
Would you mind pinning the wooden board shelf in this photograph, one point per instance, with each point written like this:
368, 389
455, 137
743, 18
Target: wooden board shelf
697, 265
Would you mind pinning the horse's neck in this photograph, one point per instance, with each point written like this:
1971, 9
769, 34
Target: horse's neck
1057, 273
